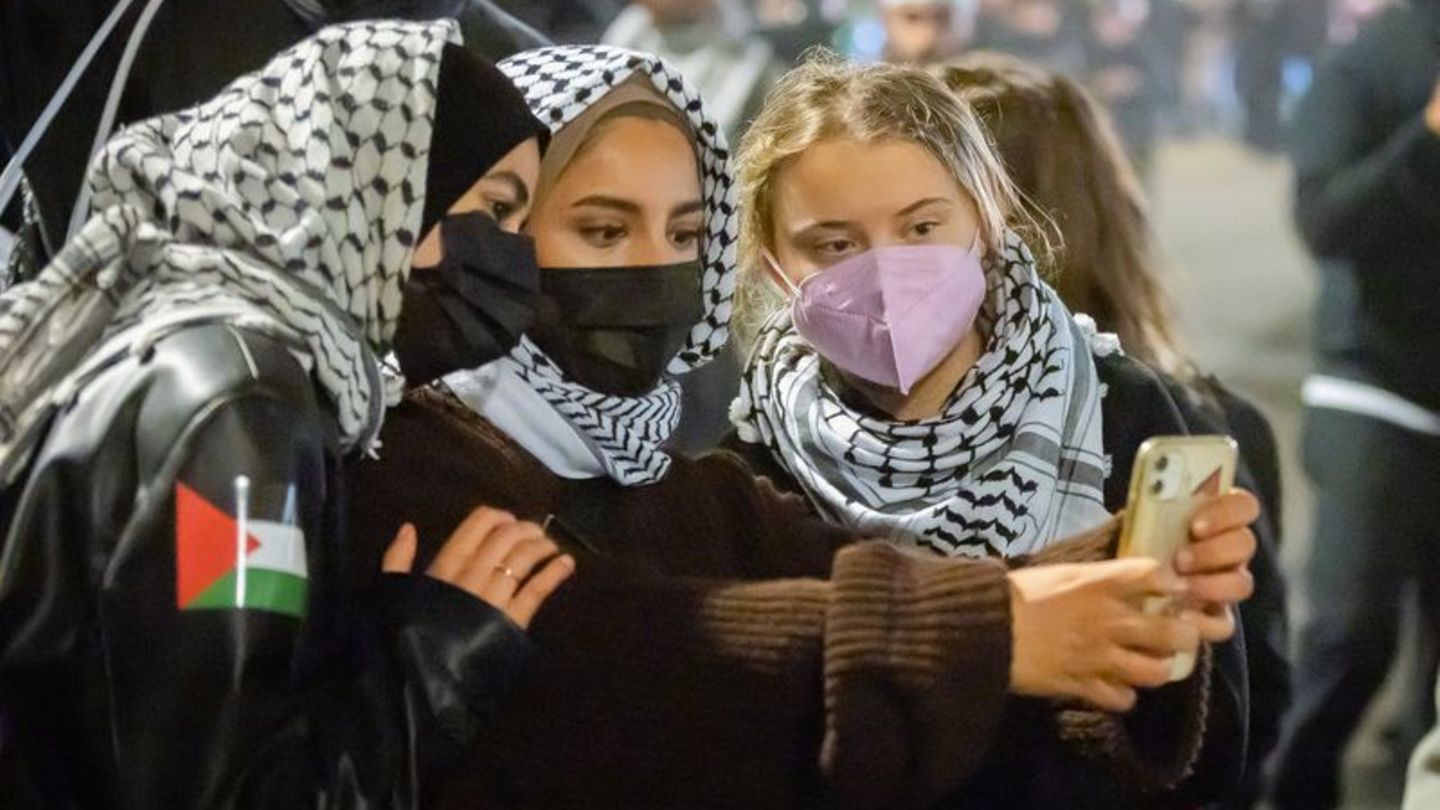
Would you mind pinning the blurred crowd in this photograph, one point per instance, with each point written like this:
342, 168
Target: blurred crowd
1163, 66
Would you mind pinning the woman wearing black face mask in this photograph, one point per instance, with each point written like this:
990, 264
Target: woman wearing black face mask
720, 647
182, 390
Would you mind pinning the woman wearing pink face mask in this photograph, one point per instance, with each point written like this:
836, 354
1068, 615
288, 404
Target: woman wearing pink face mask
909, 372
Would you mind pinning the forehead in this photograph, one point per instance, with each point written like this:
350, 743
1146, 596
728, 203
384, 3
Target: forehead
637, 158
849, 180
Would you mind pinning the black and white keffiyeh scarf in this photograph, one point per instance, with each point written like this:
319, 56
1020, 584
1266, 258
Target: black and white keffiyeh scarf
289, 201
1014, 461
625, 434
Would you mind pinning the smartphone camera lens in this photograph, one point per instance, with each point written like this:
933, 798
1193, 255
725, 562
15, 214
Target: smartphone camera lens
1162, 463
1157, 487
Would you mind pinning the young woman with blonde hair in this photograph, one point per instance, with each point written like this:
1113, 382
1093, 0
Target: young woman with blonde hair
909, 370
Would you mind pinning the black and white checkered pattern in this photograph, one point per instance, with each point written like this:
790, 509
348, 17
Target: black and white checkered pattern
1013, 462
294, 197
626, 433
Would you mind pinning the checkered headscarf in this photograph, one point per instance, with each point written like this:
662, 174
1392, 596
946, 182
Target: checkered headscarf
625, 434
292, 201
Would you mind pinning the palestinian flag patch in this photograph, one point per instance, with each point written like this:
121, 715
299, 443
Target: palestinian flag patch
225, 562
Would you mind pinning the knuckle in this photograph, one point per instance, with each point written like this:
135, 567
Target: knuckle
1125, 700
1153, 673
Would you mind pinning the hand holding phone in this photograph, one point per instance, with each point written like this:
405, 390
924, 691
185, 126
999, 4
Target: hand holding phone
1172, 476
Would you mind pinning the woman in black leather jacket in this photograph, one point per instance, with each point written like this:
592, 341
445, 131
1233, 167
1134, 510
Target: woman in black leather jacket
179, 393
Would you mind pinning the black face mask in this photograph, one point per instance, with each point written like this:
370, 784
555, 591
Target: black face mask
615, 329
471, 308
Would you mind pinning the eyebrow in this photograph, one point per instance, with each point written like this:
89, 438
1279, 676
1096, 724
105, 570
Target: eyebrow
687, 208
918, 204
840, 224
603, 201
522, 191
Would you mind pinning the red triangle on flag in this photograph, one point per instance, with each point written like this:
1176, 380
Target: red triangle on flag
204, 544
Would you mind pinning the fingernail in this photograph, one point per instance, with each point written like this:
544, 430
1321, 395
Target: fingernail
1184, 560
1202, 527
568, 561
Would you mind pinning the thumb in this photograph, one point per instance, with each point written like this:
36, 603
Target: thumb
400, 556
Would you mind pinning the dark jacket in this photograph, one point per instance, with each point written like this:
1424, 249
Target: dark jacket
1367, 203
192, 49
1137, 406
130, 678
720, 646
1209, 407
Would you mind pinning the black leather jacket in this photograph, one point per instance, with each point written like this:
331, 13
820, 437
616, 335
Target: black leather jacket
130, 676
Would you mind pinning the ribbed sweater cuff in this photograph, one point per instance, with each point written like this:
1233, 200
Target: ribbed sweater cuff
1157, 744
917, 667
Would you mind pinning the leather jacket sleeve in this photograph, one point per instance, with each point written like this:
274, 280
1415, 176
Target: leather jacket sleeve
175, 630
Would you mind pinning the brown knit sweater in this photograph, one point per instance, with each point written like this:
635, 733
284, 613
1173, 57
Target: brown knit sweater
720, 647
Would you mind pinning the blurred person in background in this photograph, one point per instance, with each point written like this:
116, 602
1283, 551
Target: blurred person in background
1046, 32
570, 21
1063, 156
181, 52
1349, 16
713, 44
1206, 83
926, 31
1260, 44
1122, 70
1366, 147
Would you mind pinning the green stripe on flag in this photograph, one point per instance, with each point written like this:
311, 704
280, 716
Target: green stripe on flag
275, 591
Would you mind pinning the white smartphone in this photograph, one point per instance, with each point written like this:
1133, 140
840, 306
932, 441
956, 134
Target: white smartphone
1171, 477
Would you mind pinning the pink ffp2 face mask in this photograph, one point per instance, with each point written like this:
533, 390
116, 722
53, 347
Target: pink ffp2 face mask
891, 314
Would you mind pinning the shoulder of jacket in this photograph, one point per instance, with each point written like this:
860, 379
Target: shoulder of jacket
216, 361
193, 374
1134, 398
1122, 371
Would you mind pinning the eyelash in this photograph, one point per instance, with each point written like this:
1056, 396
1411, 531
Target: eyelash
603, 233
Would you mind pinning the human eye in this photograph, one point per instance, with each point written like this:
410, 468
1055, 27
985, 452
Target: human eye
686, 238
924, 228
833, 248
602, 234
